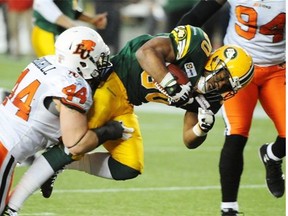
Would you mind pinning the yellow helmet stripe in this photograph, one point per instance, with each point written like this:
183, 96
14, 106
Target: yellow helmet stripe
248, 76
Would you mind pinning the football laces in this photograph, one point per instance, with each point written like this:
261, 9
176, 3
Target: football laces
161, 89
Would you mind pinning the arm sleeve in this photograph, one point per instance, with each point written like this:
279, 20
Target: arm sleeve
48, 9
200, 13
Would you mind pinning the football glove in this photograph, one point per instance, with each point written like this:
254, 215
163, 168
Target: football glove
113, 130
206, 119
127, 132
178, 95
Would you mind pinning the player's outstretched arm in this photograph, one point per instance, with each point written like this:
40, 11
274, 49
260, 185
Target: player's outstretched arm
196, 127
201, 12
55, 159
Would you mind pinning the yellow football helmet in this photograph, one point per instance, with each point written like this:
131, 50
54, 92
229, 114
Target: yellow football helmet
236, 62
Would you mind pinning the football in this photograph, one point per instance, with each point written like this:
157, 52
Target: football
178, 73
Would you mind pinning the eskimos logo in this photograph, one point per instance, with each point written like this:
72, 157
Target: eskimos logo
84, 48
230, 53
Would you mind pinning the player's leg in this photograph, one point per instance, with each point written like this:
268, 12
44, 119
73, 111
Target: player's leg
42, 168
273, 99
237, 113
42, 42
110, 100
14, 46
127, 157
124, 159
7, 166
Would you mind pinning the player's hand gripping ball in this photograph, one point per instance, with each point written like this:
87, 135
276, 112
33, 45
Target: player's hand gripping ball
179, 75
176, 86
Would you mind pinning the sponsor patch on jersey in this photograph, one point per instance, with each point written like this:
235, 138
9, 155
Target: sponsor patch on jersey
190, 69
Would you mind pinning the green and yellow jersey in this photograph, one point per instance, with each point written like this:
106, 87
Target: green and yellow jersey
129, 85
192, 48
67, 8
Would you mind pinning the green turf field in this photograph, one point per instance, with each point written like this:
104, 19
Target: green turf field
176, 181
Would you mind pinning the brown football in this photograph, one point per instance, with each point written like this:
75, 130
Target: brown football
178, 73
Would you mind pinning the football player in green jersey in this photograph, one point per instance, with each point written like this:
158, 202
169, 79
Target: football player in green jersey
52, 17
140, 75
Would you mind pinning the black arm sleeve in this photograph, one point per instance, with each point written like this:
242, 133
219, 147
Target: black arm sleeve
200, 13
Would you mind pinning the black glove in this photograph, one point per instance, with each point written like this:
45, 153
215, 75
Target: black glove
112, 130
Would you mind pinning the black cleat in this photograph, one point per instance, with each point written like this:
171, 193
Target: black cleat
9, 212
230, 212
47, 187
274, 175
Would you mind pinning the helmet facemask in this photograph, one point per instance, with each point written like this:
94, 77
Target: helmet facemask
219, 83
99, 66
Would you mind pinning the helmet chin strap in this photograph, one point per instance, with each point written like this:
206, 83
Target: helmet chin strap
201, 85
235, 83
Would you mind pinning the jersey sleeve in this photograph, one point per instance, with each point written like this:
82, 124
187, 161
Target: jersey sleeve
186, 39
48, 9
76, 93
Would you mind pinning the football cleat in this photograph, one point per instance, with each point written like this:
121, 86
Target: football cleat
47, 187
9, 212
274, 175
230, 212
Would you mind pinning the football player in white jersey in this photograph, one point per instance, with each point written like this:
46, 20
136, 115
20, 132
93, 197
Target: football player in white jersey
49, 103
259, 27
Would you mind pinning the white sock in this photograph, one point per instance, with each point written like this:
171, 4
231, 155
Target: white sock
93, 164
232, 205
31, 181
270, 153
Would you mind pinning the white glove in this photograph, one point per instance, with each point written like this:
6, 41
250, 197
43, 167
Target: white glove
206, 119
127, 132
181, 92
178, 94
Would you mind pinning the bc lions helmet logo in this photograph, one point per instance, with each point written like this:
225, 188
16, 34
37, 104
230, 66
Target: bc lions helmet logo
84, 48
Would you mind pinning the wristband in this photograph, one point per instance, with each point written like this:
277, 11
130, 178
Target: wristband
168, 80
198, 131
58, 157
101, 134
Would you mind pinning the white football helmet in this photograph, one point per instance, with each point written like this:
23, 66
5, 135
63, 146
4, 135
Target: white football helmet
81, 49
